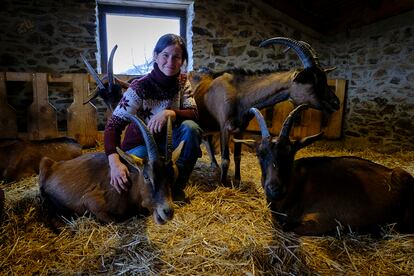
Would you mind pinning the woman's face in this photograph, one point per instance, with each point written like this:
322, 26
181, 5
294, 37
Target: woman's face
170, 60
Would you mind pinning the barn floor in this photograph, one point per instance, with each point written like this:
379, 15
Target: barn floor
221, 231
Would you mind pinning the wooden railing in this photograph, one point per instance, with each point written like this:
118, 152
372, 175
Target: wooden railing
82, 118
311, 119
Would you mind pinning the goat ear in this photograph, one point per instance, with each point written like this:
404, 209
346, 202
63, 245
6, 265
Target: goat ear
176, 153
133, 160
330, 69
307, 141
248, 142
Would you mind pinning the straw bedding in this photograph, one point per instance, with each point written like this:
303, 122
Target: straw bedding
221, 231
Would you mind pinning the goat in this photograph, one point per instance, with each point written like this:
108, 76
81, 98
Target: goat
20, 158
83, 184
310, 196
111, 92
224, 101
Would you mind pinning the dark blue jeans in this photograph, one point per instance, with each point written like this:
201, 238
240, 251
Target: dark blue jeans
189, 132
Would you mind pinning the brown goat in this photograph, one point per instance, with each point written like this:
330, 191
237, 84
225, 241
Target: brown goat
83, 184
311, 196
224, 102
20, 159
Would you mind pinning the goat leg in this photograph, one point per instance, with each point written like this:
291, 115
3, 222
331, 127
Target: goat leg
225, 155
237, 158
208, 142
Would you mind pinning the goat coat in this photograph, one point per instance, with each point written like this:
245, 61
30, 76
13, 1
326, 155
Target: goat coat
19, 158
324, 192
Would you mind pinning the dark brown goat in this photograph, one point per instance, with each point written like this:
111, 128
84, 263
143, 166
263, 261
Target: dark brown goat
83, 184
312, 196
20, 159
108, 88
224, 101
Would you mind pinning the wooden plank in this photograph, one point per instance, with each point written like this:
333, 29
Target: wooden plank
82, 119
59, 77
8, 120
42, 117
280, 112
16, 76
334, 126
309, 124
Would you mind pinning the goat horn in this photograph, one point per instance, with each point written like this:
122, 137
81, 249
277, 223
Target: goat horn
168, 146
110, 68
288, 123
304, 53
262, 123
312, 51
92, 72
91, 96
148, 137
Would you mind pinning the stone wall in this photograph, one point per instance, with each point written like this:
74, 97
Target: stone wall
377, 60
46, 35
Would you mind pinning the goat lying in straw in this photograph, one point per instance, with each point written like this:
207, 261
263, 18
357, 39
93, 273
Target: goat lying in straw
20, 158
83, 184
311, 196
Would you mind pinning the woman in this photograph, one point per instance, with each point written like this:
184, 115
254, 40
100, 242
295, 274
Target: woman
163, 92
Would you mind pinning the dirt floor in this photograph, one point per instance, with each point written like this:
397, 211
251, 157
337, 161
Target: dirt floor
221, 231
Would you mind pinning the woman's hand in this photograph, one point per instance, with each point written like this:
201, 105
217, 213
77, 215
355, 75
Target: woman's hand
159, 120
119, 173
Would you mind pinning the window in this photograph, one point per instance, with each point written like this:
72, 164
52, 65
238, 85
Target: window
135, 30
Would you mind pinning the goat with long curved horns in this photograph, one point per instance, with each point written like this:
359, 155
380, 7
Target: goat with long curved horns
111, 91
224, 102
311, 196
83, 184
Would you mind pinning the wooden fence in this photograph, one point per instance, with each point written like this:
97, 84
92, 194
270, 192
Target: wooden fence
82, 118
311, 120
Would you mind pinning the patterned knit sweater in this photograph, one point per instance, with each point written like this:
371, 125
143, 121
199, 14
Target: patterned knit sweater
145, 97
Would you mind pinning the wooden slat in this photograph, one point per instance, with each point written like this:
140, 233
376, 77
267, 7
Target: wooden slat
16, 76
82, 119
42, 117
8, 120
310, 122
334, 127
280, 112
59, 77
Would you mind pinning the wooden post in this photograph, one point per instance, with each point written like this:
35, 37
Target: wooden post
42, 117
82, 118
8, 120
334, 127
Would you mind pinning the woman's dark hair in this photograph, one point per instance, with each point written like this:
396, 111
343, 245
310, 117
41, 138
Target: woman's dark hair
168, 40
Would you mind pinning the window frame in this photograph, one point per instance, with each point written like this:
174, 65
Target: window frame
103, 10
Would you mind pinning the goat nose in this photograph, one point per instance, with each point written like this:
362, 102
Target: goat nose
273, 192
169, 212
